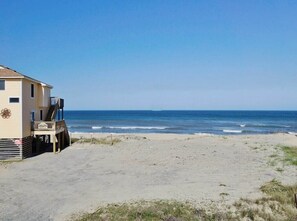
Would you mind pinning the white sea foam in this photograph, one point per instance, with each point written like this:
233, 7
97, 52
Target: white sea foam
292, 133
139, 127
242, 125
270, 125
203, 134
96, 128
76, 132
233, 131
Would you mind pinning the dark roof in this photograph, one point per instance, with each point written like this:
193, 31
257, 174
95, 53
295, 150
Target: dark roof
6, 72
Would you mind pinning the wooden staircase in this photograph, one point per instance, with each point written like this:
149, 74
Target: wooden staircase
56, 129
52, 112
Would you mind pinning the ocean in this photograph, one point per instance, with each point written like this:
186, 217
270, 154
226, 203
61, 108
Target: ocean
182, 122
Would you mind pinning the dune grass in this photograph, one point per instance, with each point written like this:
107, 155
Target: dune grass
98, 141
278, 192
283, 155
290, 155
144, 210
74, 140
277, 205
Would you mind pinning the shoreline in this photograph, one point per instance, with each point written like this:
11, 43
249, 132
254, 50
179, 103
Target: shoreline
198, 133
88, 134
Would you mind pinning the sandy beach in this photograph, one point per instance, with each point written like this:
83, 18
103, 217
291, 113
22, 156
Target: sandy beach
195, 168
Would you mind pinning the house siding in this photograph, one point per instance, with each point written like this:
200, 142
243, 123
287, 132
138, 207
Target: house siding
16, 136
11, 127
37, 103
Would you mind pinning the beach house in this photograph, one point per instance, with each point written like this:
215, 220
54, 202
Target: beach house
29, 116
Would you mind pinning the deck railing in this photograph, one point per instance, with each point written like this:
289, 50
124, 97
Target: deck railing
57, 100
47, 125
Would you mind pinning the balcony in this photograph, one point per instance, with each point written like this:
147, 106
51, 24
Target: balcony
54, 126
57, 130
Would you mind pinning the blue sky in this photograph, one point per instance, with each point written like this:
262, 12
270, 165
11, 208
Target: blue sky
156, 54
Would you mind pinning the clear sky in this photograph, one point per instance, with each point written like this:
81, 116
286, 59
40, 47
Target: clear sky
156, 54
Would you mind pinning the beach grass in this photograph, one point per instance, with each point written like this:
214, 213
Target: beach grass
283, 155
278, 192
144, 210
74, 140
98, 141
290, 155
277, 205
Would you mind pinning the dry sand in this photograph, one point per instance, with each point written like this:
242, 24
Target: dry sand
196, 168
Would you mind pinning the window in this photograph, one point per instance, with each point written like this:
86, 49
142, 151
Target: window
41, 113
14, 100
32, 116
2, 85
32, 90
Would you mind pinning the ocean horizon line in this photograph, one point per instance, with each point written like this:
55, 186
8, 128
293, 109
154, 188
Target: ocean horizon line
268, 110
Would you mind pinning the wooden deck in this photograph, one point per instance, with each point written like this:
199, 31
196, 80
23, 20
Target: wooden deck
57, 130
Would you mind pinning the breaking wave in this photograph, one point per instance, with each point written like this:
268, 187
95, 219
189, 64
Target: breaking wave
233, 131
139, 128
129, 128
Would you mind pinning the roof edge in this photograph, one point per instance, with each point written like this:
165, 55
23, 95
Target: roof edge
22, 76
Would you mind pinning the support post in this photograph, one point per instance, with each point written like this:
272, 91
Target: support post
54, 143
63, 139
59, 142
37, 143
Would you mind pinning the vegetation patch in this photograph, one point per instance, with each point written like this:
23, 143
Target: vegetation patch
277, 205
273, 155
290, 155
284, 155
74, 140
99, 141
224, 194
279, 169
5, 163
278, 192
144, 210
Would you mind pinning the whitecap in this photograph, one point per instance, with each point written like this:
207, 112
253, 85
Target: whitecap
233, 131
242, 125
96, 128
203, 134
138, 127
77, 133
292, 133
